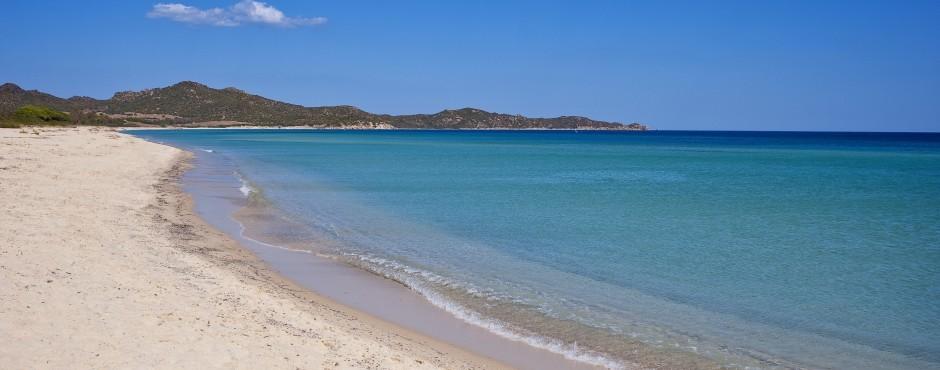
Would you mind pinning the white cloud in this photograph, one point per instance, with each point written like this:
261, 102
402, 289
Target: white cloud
243, 12
189, 14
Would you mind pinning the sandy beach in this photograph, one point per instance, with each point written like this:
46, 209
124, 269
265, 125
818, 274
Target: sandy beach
104, 265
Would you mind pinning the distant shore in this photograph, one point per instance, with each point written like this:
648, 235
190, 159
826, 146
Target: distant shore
256, 127
103, 264
189, 103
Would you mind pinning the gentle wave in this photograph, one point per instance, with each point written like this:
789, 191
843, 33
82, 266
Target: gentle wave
246, 188
411, 277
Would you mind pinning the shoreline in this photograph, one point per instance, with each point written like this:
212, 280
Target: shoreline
256, 268
534, 349
255, 127
765, 358
220, 200
143, 259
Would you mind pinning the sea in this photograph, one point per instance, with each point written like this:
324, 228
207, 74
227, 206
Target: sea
678, 248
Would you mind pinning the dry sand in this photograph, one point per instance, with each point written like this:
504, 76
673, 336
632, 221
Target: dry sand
104, 265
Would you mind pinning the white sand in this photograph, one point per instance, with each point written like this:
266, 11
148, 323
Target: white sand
103, 265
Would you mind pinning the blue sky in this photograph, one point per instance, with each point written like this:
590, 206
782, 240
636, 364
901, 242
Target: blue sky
739, 65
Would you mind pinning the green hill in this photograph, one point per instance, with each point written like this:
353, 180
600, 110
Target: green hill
193, 104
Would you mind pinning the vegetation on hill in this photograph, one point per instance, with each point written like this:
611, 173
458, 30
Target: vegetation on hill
37, 115
193, 104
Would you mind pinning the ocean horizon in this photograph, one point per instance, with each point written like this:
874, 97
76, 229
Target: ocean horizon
742, 249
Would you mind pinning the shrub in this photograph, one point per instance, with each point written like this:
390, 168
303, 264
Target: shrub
34, 114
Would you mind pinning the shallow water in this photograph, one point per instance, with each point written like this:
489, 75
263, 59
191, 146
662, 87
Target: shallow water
223, 201
751, 249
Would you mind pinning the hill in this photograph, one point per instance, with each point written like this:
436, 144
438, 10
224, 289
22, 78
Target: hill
193, 104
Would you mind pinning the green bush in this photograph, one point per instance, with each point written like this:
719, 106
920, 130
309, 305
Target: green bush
37, 115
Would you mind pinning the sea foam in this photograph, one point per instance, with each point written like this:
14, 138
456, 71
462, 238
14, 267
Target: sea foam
245, 187
412, 278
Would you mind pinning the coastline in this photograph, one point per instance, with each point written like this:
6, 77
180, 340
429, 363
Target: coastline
415, 308
256, 170
370, 128
228, 203
102, 246
102, 251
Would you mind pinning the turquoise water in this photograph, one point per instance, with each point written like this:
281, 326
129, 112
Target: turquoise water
816, 250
